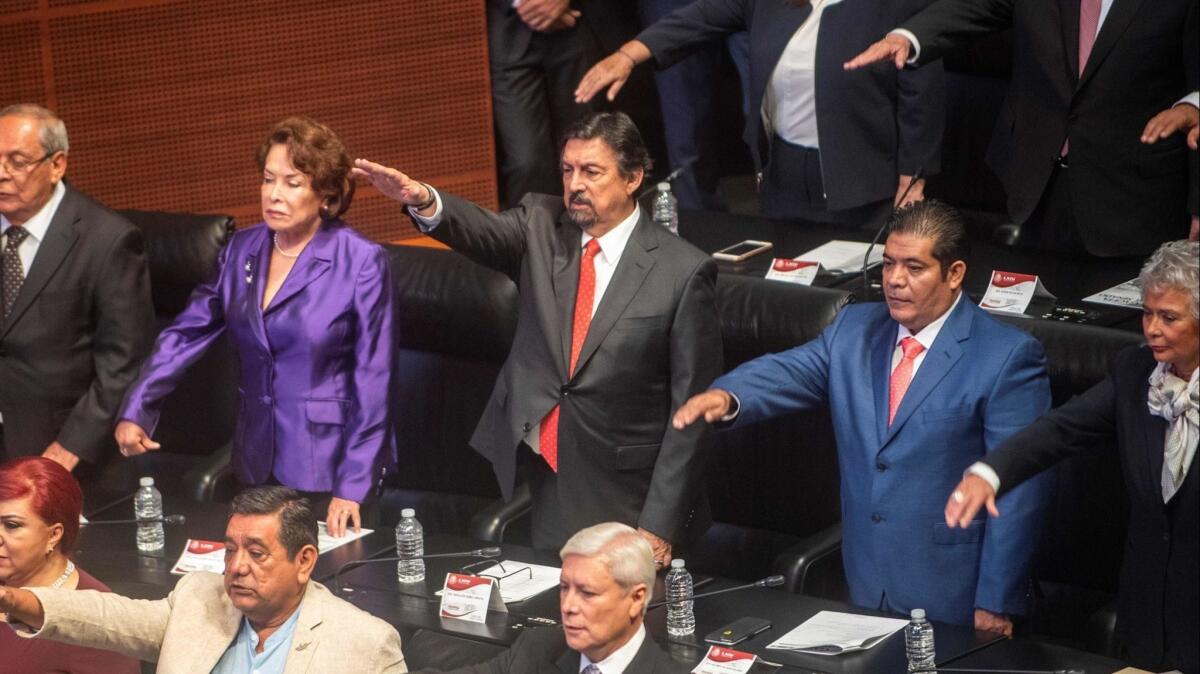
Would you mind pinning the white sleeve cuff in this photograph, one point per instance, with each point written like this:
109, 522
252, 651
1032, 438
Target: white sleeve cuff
912, 39
1192, 99
427, 224
984, 471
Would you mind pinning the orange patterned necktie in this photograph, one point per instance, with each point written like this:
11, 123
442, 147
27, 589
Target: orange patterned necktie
902, 375
548, 434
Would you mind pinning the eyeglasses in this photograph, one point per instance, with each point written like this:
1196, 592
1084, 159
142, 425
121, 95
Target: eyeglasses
18, 165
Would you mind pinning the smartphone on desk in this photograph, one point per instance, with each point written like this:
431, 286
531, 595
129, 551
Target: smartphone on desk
737, 631
745, 250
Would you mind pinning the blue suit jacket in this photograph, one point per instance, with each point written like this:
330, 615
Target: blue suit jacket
980, 382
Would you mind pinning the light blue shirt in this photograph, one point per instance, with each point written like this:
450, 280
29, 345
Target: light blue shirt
241, 658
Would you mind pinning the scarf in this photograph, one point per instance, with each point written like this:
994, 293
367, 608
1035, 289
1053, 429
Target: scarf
1178, 402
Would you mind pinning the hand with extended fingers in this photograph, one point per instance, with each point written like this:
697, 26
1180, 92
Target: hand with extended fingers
967, 498
612, 72
894, 48
713, 405
392, 183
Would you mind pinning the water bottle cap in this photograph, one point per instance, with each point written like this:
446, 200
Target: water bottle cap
664, 187
918, 614
677, 563
408, 512
146, 482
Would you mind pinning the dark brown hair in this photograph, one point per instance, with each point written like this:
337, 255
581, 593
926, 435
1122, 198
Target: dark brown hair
297, 521
617, 131
316, 151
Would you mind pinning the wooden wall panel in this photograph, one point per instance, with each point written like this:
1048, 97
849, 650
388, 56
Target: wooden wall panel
167, 101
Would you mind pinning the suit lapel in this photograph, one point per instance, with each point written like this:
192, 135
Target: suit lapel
218, 637
254, 272
61, 236
1118, 19
314, 261
305, 639
883, 344
942, 356
565, 277
568, 663
1068, 21
1154, 430
636, 262
788, 18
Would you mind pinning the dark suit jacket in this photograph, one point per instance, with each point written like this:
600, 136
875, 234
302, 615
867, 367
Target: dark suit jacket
1128, 197
1158, 597
544, 651
874, 124
653, 342
82, 324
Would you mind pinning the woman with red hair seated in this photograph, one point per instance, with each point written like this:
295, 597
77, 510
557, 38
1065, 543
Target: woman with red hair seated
40, 503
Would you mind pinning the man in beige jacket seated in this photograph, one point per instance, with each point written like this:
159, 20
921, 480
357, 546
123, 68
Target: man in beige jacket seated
265, 616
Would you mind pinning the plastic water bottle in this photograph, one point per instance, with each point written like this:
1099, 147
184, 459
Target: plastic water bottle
147, 507
410, 546
681, 621
918, 643
666, 208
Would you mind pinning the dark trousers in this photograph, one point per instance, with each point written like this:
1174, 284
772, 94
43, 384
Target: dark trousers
533, 102
792, 188
1052, 225
687, 95
547, 529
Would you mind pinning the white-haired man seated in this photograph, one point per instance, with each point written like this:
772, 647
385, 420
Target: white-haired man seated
605, 586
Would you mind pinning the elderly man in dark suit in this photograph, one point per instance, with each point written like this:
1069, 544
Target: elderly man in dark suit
607, 579
1090, 142
617, 326
77, 316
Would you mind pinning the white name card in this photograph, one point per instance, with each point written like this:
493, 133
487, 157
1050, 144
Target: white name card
793, 271
1011, 293
721, 660
466, 597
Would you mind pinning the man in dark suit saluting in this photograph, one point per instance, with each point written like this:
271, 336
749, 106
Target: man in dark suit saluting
76, 314
617, 326
606, 583
1090, 144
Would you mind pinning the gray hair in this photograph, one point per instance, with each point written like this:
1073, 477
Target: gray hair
52, 132
622, 550
1174, 266
617, 131
297, 521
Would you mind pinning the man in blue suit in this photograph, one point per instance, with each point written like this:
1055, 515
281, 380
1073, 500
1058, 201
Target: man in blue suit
919, 389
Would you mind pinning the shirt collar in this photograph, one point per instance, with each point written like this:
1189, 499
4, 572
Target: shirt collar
612, 242
618, 661
40, 222
282, 635
929, 333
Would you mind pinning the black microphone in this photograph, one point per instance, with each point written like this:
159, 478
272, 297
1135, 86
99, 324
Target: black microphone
886, 221
485, 553
168, 519
769, 581
687, 165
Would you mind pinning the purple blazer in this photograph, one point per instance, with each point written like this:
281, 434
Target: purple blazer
316, 366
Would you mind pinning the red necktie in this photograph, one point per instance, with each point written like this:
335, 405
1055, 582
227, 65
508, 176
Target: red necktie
548, 434
1089, 25
902, 375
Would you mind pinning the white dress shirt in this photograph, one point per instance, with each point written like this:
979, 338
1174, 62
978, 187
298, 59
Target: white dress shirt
37, 226
789, 108
926, 336
612, 246
618, 661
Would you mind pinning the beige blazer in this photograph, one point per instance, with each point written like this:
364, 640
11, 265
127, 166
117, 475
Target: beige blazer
189, 631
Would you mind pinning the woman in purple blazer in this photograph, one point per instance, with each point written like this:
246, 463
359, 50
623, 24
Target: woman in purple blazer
309, 306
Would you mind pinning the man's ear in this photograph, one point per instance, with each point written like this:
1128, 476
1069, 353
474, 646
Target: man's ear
306, 560
640, 595
634, 181
958, 272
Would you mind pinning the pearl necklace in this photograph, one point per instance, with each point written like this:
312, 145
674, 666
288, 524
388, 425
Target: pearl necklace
275, 240
63, 578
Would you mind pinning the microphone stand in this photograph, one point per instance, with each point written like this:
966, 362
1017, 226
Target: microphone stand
887, 221
169, 519
770, 581
670, 177
483, 553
